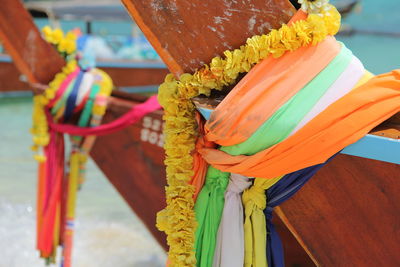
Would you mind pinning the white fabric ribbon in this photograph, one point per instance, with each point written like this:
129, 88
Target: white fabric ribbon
343, 85
85, 86
229, 250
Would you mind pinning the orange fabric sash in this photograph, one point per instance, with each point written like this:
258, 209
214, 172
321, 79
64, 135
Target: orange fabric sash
341, 124
264, 89
199, 164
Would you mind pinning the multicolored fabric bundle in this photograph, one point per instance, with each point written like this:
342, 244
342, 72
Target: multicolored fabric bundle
74, 103
281, 123
77, 95
292, 102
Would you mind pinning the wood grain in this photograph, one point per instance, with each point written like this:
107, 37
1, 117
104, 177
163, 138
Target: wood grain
33, 56
348, 214
10, 78
125, 77
188, 34
134, 168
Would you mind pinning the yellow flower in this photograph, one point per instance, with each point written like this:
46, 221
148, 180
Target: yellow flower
67, 45
314, 6
71, 36
47, 32
57, 35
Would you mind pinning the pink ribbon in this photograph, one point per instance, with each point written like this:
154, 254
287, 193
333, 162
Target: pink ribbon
135, 114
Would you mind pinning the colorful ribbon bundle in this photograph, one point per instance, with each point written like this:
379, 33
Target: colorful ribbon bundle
282, 122
78, 95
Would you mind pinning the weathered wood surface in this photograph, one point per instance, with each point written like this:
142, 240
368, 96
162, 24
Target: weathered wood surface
10, 78
188, 34
126, 77
33, 56
348, 214
134, 166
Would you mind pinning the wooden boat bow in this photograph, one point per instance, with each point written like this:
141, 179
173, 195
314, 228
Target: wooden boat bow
347, 193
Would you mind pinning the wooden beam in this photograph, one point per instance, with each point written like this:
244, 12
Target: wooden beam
188, 34
33, 56
348, 213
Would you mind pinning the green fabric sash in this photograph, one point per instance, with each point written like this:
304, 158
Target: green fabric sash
208, 209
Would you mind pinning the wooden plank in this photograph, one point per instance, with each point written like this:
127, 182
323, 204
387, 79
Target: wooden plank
188, 34
33, 56
348, 214
126, 77
135, 167
126, 74
10, 78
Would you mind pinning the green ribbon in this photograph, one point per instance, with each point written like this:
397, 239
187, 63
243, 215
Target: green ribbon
208, 210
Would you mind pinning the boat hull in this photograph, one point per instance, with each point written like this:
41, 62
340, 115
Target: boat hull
126, 75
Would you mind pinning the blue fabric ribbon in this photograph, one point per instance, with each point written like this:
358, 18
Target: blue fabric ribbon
70, 106
276, 195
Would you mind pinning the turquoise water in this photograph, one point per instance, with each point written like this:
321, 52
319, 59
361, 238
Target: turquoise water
379, 54
108, 233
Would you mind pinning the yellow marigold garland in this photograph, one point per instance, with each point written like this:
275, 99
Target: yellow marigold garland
177, 220
66, 45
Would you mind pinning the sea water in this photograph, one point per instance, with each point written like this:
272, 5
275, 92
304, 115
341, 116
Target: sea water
108, 234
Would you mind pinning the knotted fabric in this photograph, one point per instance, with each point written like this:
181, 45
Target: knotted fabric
255, 230
208, 209
229, 250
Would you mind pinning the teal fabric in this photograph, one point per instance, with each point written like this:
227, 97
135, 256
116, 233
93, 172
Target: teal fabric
208, 210
287, 117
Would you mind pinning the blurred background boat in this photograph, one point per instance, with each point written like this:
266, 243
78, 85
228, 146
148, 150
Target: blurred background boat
110, 37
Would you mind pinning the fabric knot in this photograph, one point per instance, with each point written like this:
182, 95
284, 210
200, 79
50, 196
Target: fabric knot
216, 179
238, 183
255, 195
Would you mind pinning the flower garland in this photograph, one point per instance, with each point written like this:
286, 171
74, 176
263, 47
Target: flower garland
177, 220
66, 46
314, 6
